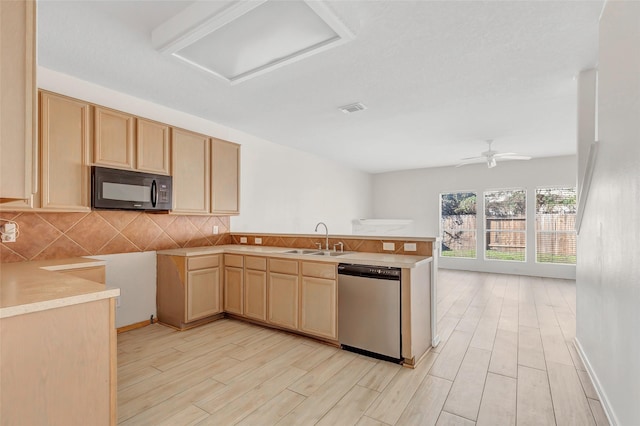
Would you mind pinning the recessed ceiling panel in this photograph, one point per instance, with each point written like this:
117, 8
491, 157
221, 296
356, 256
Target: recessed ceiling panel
271, 32
249, 38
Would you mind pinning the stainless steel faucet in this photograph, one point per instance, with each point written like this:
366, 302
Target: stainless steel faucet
326, 233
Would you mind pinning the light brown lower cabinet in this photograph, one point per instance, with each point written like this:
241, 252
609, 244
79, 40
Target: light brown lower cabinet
255, 288
59, 366
283, 300
188, 289
233, 290
203, 294
318, 303
296, 295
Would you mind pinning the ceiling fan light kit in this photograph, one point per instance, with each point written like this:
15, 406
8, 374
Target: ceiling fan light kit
491, 157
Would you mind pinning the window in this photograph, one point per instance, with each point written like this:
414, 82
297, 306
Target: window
458, 224
505, 224
555, 225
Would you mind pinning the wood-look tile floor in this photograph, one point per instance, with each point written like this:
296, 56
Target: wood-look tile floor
506, 357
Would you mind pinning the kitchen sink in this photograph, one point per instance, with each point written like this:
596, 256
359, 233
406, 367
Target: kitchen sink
302, 251
316, 252
329, 253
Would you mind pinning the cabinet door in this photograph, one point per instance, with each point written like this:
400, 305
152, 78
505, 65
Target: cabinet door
318, 307
18, 101
113, 139
64, 132
233, 290
203, 293
152, 147
255, 294
283, 300
191, 171
225, 177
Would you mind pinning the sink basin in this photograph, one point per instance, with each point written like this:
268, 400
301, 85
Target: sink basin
302, 251
329, 253
316, 252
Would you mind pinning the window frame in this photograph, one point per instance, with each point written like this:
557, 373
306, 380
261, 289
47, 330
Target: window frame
524, 232
535, 230
441, 228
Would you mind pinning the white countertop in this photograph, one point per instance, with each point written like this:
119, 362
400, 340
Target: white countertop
37, 286
377, 259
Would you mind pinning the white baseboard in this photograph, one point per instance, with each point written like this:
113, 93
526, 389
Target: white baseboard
596, 384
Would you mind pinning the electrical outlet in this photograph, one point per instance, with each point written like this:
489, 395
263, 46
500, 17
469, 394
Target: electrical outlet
8, 233
118, 301
258, 240
388, 246
243, 240
410, 247
215, 229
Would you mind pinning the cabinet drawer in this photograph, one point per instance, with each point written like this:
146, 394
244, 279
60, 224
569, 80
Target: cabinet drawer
319, 270
234, 260
257, 263
283, 266
202, 262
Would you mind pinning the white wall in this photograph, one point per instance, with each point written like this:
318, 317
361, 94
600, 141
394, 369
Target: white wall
135, 275
608, 271
414, 194
283, 190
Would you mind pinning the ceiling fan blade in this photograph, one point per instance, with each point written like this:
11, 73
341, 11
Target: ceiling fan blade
479, 157
513, 157
504, 154
473, 160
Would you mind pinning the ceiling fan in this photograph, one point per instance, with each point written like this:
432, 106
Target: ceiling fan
491, 157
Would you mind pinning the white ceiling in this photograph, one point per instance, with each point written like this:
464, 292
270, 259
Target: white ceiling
438, 77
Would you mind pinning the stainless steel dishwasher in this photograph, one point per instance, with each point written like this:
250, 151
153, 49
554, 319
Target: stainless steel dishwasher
369, 310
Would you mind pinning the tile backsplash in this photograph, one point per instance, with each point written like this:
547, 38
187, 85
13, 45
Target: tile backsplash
64, 235
350, 243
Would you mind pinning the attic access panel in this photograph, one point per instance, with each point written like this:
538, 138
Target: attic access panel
250, 38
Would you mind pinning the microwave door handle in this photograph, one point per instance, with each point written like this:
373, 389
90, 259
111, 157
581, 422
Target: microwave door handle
154, 193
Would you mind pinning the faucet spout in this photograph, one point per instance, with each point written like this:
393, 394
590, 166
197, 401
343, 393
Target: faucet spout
326, 233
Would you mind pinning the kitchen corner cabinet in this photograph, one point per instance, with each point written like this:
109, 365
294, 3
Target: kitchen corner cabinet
255, 288
233, 284
18, 151
225, 177
189, 291
318, 300
283, 293
113, 138
59, 366
64, 137
191, 166
64, 146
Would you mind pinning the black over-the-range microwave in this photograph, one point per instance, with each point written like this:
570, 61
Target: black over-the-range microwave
128, 190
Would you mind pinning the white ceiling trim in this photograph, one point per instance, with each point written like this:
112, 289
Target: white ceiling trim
205, 17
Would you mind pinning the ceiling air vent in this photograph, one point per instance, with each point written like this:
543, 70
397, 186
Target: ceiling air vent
349, 109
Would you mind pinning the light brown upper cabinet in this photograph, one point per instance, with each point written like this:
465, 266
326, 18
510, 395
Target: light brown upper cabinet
152, 147
225, 177
64, 162
190, 163
64, 136
18, 101
113, 138
124, 141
